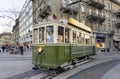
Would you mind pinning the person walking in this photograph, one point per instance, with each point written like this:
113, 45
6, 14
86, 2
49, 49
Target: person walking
21, 49
3, 48
108, 49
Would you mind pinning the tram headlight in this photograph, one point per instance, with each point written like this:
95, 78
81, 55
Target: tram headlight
39, 50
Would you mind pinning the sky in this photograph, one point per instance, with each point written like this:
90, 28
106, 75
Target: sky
9, 11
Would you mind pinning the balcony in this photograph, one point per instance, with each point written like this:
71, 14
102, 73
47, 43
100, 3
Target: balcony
91, 18
69, 10
45, 11
117, 24
101, 19
96, 18
95, 4
111, 33
116, 2
117, 13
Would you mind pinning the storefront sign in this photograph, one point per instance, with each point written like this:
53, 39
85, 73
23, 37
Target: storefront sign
78, 24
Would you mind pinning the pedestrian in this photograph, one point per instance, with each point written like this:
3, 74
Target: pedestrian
118, 49
108, 49
3, 48
21, 49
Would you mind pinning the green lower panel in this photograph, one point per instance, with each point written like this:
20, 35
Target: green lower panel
54, 56
80, 51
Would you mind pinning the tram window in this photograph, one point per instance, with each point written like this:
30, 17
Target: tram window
41, 34
35, 35
49, 34
90, 39
87, 39
82, 38
60, 34
67, 37
79, 40
74, 36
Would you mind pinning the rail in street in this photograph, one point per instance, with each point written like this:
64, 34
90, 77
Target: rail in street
102, 63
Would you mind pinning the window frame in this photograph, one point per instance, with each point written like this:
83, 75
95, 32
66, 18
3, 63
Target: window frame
51, 37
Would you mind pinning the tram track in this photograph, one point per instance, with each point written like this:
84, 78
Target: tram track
40, 73
52, 74
27, 74
46, 74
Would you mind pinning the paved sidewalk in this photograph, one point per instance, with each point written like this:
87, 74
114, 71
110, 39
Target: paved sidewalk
13, 64
27, 53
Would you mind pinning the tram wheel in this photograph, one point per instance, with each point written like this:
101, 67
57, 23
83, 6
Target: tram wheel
35, 68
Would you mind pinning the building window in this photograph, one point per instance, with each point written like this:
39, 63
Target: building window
108, 16
109, 26
102, 13
83, 16
97, 12
95, 26
83, 8
113, 18
108, 6
96, 0
90, 11
102, 1
64, 3
103, 27
70, 1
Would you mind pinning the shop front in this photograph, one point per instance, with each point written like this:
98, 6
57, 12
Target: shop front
116, 41
100, 42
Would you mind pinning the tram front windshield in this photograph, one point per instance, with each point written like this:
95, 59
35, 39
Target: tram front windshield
44, 35
49, 34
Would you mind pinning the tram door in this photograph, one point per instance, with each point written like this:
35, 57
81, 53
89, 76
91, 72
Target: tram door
64, 41
67, 44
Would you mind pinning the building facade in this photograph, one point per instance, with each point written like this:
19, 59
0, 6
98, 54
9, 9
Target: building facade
88, 12
115, 17
103, 16
6, 38
15, 32
26, 23
112, 23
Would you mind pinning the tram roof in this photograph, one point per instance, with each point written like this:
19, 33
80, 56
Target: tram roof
71, 21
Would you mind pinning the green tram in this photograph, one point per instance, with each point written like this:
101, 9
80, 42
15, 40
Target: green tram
56, 44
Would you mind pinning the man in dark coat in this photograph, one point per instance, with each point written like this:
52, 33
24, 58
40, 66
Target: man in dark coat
3, 48
21, 49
